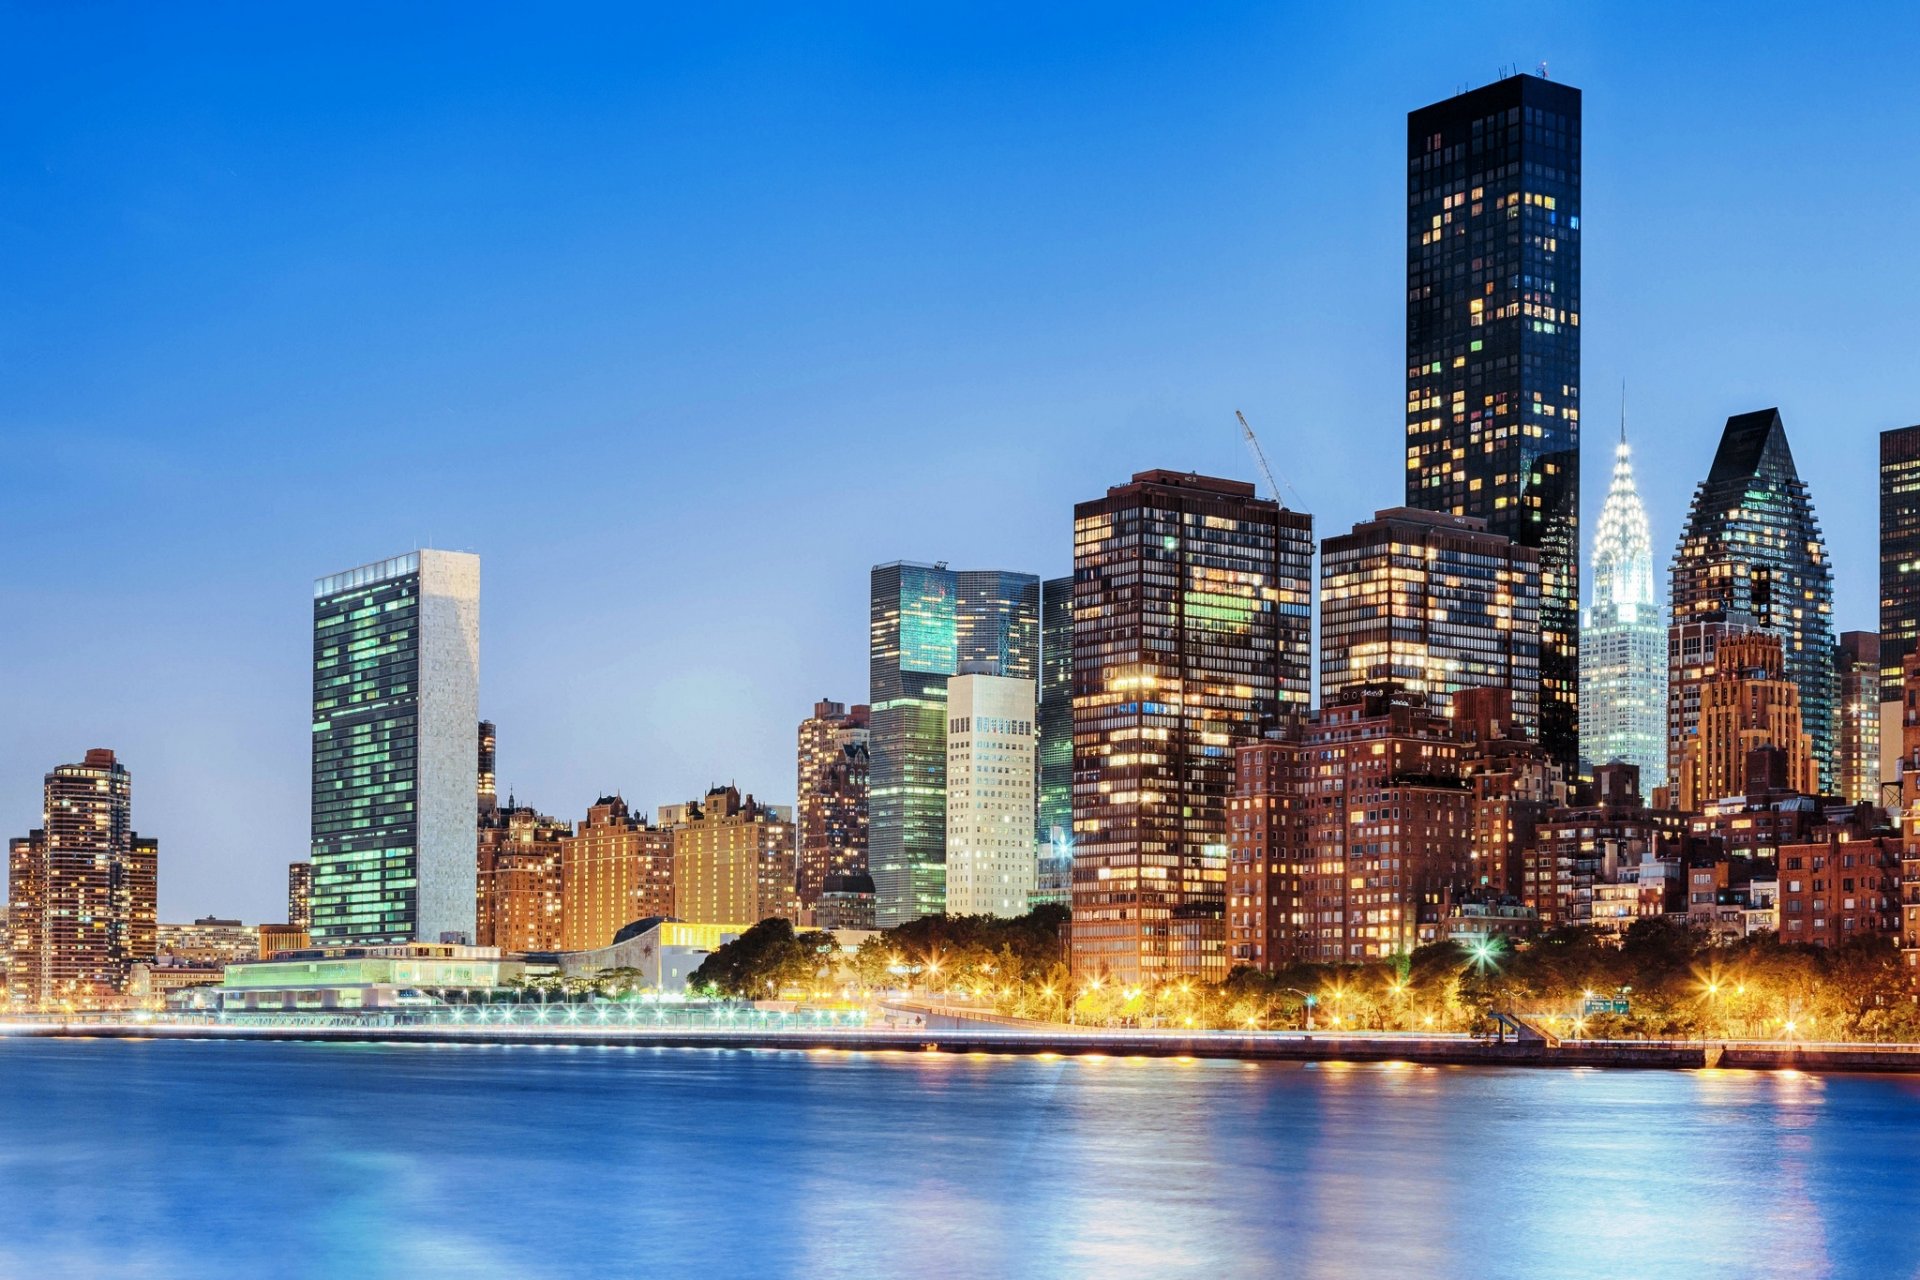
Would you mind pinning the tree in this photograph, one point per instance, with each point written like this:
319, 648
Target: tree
765, 959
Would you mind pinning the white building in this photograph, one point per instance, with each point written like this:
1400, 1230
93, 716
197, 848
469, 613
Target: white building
992, 864
1623, 643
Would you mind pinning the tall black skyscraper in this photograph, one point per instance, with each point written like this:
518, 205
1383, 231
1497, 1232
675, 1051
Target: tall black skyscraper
1899, 553
1493, 342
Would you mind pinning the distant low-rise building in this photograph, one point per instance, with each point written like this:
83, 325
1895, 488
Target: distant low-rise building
207, 941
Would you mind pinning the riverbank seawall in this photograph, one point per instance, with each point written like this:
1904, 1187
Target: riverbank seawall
1064, 1042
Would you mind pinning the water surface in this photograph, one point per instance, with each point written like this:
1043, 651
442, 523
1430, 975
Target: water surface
171, 1159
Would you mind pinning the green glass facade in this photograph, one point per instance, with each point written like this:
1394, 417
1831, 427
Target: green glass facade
925, 620
395, 750
366, 681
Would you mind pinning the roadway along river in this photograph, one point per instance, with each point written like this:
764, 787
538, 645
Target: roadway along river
198, 1159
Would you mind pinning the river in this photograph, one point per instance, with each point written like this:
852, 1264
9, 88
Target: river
197, 1159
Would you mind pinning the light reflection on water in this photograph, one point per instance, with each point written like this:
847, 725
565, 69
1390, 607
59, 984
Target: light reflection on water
204, 1159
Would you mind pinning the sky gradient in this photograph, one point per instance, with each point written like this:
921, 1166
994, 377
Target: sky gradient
683, 321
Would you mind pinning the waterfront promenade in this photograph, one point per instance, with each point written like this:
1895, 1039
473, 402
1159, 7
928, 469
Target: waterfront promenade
958, 1037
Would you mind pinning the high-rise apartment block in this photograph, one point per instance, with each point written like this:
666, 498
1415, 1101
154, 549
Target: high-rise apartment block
517, 885
1493, 343
615, 868
396, 676
1857, 751
1431, 603
1192, 635
1751, 703
732, 860
1623, 641
300, 895
992, 867
1752, 556
831, 814
925, 620
1352, 836
82, 890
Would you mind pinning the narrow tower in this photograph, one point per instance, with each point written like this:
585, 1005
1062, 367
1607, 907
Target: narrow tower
1623, 646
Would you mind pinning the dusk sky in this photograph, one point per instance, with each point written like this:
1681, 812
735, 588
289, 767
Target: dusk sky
682, 321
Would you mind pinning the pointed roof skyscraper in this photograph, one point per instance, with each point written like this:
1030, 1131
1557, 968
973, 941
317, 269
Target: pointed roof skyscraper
1753, 555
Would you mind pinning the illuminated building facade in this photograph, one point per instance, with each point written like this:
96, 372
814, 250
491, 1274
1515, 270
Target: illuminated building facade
1493, 343
1899, 556
1192, 634
1857, 753
517, 900
206, 941
1751, 703
1899, 581
1353, 837
614, 869
924, 620
1055, 825
831, 815
300, 895
1752, 555
82, 890
1623, 643
1431, 603
992, 865
732, 860
396, 678
1842, 884
488, 785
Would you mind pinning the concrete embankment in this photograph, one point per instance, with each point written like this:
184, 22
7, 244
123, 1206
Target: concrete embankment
1272, 1046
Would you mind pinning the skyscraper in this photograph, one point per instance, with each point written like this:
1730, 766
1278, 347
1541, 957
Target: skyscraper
300, 895
1752, 556
992, 865
1899, 581
1430, 603
1623, 644
1493, 342
1055, 748
1857, 749
1192, 634
926, 619
396, 674
487, 784
82, 890
831, 812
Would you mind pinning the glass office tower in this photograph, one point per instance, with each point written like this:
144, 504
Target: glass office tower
1752, 555
1899, 554
1054, 834
396, 675
926, 619
1493, 342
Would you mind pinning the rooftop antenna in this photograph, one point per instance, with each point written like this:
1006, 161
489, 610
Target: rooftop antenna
1623, 411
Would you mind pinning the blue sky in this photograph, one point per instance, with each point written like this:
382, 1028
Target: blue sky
683, 318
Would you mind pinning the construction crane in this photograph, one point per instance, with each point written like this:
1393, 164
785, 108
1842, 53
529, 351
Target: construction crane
1260, 455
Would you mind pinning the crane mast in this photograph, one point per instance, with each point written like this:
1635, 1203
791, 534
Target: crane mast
1260, 456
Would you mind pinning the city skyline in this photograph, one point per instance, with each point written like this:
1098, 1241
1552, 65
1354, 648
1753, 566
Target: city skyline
1061, 411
